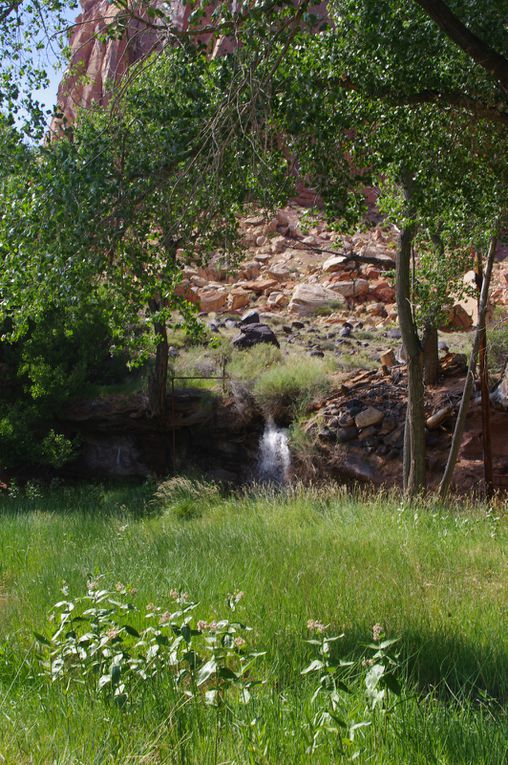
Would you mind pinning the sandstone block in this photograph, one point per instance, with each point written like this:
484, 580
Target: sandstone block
352, 289
308, 298
387, 358
335, 263
259, 285
212, 300
239, 299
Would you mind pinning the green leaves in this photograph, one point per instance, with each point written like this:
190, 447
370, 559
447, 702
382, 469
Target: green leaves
314, 666
93, 646
206, 671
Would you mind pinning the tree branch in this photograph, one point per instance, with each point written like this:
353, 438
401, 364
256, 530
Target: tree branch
489, 59
387, 263
8, 9
451, 99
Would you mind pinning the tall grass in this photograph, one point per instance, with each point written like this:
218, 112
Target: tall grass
434, 576
293, 384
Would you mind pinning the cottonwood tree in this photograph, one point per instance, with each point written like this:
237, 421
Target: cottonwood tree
33, 41
395, 71
386, 88
116, 209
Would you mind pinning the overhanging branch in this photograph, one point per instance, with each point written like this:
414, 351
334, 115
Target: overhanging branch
451, 100
489, 59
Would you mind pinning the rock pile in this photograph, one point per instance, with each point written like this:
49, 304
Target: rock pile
287, 267
369, 412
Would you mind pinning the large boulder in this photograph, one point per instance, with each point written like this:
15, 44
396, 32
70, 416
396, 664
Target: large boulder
239, 298
259, 285
333, 264
280, 272
249, 270
308, 298
383, 292
253, 334
277, 300
457, 320
251, 317
352, 289
212, 300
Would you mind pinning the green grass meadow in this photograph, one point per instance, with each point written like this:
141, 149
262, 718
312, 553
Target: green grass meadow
435, 578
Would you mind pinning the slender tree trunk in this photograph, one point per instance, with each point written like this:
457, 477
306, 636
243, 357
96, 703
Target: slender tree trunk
460, 423
486, 429
406, 454
430, 354
484, 386
157, 383
414, 440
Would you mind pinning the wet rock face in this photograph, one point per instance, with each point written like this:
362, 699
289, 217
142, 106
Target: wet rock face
118, 439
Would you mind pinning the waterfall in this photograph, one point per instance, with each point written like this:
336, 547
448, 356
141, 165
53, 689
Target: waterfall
274, 457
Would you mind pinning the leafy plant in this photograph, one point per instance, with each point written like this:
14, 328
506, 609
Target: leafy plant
96, 644
331, 718
338, 679
291, 385
381, 676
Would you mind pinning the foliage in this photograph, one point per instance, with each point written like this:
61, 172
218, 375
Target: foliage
31, 33
111, 212
247, 365
186, 498
94, 643
497, 344
60, 357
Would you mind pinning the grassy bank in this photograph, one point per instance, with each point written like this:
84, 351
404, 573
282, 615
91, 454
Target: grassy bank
434, 578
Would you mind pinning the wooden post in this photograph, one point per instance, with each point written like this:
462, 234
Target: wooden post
224, 362
484, 387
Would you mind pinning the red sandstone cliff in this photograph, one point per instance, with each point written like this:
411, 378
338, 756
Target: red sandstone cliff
96, 64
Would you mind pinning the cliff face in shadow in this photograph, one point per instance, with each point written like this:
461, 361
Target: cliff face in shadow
216, 436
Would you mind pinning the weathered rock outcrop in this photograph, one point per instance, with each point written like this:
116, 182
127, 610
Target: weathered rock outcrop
118, 439
96, 65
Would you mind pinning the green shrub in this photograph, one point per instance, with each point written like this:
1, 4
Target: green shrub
249, 364
61, 356
201, 361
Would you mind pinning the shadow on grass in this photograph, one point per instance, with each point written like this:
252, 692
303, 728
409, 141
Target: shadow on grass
450, 668
108, 499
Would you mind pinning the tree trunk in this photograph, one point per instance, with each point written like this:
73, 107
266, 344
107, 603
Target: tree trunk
460, 424
430, 354
414, 440
406, 454
475, 47
484, 385
158, 379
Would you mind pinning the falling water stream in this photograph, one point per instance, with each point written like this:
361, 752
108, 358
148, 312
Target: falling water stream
274, 456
